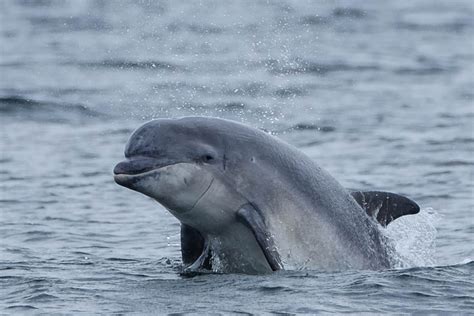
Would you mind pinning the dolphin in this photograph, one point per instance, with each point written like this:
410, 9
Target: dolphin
250, 203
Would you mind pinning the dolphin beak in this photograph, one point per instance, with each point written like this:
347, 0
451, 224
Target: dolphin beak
122, 168
135, 166
126, 172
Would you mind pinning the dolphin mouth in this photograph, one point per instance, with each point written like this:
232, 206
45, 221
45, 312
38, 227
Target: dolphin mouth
127, 180
127, 172
140, 165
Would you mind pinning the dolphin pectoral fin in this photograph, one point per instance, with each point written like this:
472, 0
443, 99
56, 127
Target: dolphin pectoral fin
249, 215
194, 249
385, 206
192, 244
202, 263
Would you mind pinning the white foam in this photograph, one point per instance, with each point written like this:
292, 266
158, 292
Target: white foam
414, 239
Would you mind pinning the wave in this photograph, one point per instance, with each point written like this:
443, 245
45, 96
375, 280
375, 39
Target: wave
21, 307
338, 13
421, 71
312, 127
301, 66
353, 13
454, 26
177, 27
299, 127
44, 111
70, 23
131, 65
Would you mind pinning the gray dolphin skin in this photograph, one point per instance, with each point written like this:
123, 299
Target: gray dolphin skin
250, 203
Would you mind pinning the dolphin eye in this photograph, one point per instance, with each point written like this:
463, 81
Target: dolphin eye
207, 158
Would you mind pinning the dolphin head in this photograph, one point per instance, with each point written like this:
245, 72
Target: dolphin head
169, 162
179, 163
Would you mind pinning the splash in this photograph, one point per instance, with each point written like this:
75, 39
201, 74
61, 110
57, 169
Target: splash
414, 239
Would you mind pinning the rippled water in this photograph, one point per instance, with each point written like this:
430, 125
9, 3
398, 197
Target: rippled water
379, 94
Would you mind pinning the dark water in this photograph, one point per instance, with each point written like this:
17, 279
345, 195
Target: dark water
378, 93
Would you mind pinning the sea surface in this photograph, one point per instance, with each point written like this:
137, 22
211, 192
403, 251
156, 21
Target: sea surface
379, 93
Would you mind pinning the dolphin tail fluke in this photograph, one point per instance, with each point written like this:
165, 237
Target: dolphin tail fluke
385, 206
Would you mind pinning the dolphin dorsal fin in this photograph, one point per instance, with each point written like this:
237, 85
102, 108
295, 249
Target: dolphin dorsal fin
385, 206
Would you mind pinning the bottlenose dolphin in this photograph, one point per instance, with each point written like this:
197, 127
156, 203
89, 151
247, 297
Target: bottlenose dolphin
250, 203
